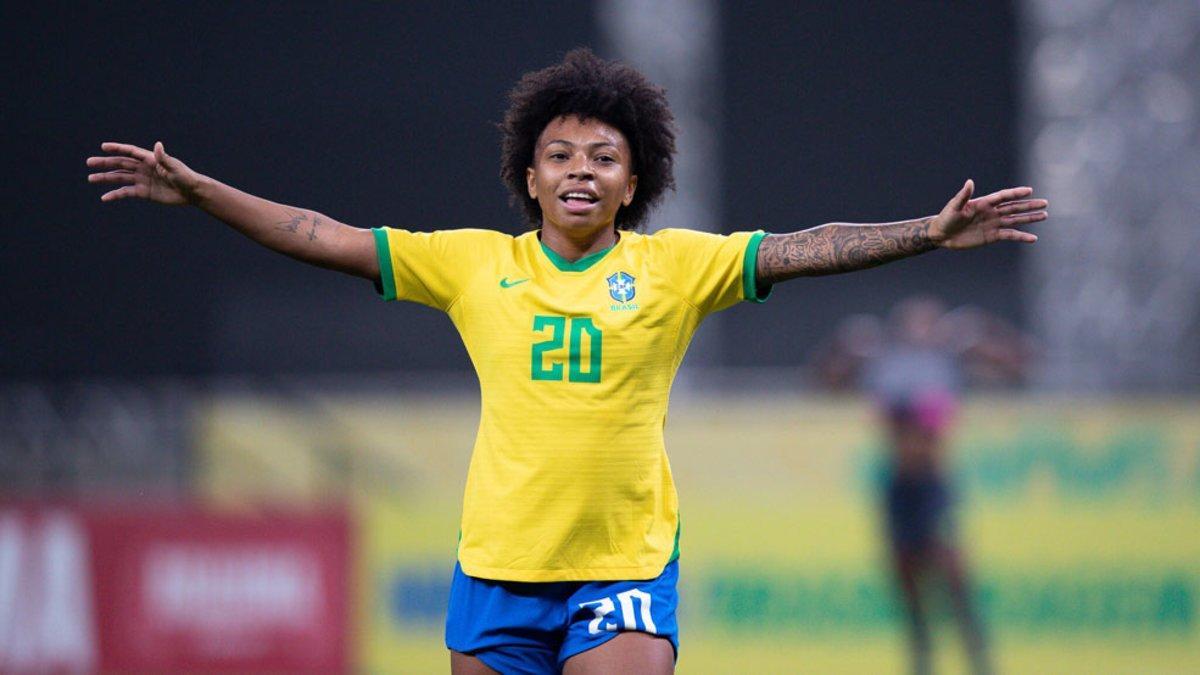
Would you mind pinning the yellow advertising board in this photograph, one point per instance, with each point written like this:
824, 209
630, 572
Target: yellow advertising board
1080, 519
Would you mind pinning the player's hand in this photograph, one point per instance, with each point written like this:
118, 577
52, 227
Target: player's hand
967, 223
147, 174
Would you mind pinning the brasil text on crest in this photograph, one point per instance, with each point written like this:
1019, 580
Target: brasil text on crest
622, 288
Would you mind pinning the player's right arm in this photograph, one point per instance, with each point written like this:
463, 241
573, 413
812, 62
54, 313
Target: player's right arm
299, 233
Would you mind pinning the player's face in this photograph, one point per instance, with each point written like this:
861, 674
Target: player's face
582, 174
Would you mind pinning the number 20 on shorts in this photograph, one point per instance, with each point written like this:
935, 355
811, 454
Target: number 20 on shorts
605, 606
545, 366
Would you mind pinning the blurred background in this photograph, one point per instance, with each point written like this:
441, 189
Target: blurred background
216, 459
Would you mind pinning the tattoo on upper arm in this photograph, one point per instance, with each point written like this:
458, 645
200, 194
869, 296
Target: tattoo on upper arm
292, 224
839, 247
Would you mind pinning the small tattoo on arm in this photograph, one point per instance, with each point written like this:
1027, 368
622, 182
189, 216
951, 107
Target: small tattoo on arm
839, 247
293, 223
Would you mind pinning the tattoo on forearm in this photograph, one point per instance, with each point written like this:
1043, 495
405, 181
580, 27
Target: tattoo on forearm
292, 224
840, 247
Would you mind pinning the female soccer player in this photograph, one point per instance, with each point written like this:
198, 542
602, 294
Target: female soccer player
568, 553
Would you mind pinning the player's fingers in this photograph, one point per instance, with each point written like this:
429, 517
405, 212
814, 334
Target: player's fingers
163, 159
964, 195
125, 149
1008, 195
1023, 218
112, 162
113, 177
1022, 205
123, 193
1009, 234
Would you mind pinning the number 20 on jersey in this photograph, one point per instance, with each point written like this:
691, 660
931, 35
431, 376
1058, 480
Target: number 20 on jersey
585, 349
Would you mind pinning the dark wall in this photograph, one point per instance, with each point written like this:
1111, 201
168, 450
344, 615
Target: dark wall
873, 111
375, 113
383, 114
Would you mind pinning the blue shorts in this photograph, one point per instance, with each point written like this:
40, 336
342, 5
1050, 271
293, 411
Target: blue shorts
521, 627
919, 513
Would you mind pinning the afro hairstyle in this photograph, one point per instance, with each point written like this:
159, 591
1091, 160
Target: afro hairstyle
591, 88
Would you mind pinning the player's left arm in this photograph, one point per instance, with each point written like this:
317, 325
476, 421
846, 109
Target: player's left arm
843, 247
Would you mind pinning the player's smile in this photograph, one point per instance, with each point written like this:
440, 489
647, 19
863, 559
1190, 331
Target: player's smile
580, 199
581, 176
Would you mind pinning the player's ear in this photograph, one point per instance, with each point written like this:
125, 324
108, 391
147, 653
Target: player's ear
531, 182
629, 190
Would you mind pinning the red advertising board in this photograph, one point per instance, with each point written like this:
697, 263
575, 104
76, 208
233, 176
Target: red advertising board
154, 587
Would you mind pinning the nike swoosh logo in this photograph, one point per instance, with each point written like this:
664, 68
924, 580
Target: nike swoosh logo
505, 283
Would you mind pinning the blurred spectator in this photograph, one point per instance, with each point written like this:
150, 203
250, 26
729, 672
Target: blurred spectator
915, 368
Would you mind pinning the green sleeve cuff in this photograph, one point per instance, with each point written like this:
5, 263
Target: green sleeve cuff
678, 530
750, 288
387, 279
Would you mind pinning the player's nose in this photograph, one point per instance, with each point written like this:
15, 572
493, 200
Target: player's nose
580, 169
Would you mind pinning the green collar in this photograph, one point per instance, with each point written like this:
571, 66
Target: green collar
580, 265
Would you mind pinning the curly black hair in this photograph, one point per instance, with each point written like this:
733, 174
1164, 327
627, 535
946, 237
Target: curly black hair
589, 87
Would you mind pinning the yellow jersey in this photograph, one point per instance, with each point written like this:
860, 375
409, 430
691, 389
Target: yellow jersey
569, 478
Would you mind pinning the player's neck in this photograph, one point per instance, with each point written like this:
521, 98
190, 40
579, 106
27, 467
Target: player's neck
575, 245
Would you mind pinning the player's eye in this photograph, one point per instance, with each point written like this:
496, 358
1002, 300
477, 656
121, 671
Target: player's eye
606, 159
558, 155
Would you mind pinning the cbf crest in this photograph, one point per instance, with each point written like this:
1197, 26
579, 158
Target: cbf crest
621, 287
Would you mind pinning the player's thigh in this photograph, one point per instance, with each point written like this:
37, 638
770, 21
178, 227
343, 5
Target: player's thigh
629, 652
465, 664
951, 567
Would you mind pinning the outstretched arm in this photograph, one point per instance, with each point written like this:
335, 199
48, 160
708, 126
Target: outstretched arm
844, 247
299, 233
